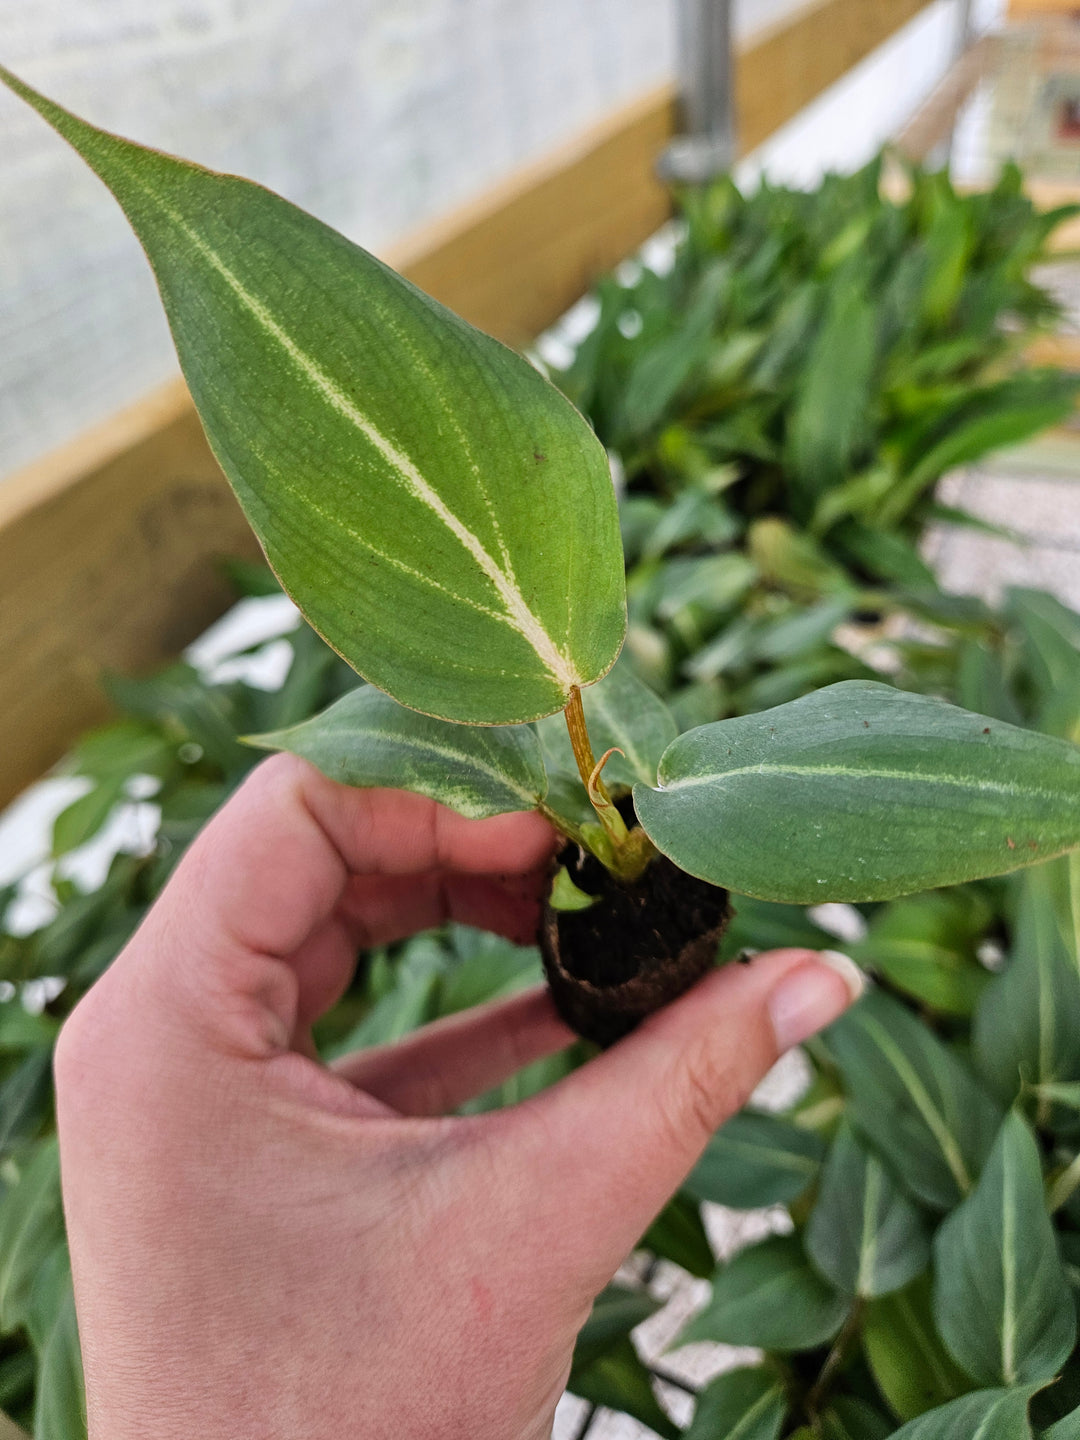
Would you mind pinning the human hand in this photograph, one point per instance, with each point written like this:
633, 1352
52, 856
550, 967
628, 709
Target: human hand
266, 1247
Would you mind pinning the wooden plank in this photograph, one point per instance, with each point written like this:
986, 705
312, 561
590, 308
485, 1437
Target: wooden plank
783, 69
109, 548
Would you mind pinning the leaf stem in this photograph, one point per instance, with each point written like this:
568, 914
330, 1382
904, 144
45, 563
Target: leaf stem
626, 853
835, 1358
588, 769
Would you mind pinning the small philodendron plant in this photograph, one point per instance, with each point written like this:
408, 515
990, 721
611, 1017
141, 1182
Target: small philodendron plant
445, 519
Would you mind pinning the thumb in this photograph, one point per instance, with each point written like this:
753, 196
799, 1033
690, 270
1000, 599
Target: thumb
616, 1138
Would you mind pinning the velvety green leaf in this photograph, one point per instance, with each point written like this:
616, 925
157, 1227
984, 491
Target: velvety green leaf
620, 711
894, 792
367, 739
1001, 1300
1027, 1026
913, 1099
769, 1295
31, 1226
864, 1234
926, 945
678, 1234
755, 1160
906, 1355
439, 512
745, 1404
983, 1415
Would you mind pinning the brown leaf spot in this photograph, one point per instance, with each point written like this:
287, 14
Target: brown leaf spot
1010, 842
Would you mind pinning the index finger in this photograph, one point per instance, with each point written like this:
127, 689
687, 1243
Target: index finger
273, 863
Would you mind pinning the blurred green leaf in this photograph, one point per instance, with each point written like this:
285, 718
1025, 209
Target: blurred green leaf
983, 1415
769, 1296
1027, 1026
913, 1099
864, 1235
677, 1234
1001, 1300
748, 1404
756, 1159
906, 1355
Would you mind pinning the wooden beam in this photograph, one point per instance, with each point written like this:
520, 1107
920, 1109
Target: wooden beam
110, 547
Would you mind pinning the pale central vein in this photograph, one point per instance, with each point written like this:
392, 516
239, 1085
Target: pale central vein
997, 787
457, 757
521, 616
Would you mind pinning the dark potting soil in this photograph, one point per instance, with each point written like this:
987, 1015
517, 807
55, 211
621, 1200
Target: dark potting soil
638, 947
633, 927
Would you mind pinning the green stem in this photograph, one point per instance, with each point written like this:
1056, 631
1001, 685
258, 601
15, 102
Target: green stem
833, 1361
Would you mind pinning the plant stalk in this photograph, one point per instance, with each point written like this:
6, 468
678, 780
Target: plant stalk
626, 853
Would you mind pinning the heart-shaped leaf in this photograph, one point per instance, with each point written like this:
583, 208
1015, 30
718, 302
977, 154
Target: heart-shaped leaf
913, 1099
439, 512
861, 792
1001, 1299
769, 1295
367, 739
864, 1234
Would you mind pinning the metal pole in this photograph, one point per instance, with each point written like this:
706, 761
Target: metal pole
706, 94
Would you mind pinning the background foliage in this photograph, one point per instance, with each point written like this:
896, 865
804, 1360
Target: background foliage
781, 401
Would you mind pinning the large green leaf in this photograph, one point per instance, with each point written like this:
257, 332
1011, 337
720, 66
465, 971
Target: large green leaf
864, 1234
906, 1355
1001, 1299
1027, 1026
365, 738
741, 1405
913, 1099
769, 1295
440, 513
757, 1159
983, 1415
887, 792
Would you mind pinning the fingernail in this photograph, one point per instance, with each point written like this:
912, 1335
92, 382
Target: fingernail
809, 997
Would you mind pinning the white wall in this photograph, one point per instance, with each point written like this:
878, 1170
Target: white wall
374, 114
